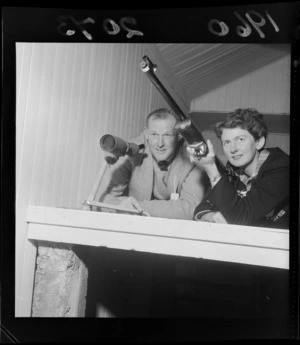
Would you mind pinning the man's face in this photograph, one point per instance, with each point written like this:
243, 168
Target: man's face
240, 147
162, 137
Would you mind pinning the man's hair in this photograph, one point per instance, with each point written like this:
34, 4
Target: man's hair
249, 119
161, 113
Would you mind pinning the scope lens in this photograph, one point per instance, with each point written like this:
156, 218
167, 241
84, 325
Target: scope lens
108, 143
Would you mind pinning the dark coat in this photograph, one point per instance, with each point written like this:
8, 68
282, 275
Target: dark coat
262, 205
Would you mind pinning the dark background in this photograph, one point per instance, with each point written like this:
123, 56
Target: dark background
159, 23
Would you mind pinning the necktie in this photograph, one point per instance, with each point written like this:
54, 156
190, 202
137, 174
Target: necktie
163, 165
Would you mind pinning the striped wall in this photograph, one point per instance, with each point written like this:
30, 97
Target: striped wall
266, 89
68, 96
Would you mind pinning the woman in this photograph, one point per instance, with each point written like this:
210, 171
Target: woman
254, 187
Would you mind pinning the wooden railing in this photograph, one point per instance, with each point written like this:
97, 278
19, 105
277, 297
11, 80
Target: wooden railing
210, 241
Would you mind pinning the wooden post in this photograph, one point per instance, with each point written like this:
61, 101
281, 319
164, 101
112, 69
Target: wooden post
96, 185
27, 282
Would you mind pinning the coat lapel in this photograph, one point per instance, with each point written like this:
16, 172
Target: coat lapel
141, 183
179, 170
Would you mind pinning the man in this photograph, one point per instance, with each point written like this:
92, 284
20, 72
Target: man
162, 182
159, 181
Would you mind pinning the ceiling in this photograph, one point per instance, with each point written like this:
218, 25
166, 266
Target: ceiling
200, 68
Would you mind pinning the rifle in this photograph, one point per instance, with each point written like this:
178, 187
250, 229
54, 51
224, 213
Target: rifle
185, 125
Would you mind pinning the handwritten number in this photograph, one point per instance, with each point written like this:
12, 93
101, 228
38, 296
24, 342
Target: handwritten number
88, 20
257, 25
68, 24
85, 21
223, 26
272, 21
63, 23
244, 31
78, 24
70, 32
116, 28
241, 30
131, 33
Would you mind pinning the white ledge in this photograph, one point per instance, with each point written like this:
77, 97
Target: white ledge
212, 241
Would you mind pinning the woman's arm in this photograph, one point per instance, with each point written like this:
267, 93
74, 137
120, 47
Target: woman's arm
269, 190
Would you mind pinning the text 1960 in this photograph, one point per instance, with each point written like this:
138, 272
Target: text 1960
243, 31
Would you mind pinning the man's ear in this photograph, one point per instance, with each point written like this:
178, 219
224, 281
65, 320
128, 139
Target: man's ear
146, 133
260, 143
179, 136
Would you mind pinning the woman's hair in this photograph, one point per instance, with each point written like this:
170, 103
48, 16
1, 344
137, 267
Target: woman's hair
248, 119
161, 113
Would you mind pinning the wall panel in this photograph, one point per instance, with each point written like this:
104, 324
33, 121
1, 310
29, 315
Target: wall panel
68, 96
266, 89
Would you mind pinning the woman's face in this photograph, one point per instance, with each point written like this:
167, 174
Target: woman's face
240, 148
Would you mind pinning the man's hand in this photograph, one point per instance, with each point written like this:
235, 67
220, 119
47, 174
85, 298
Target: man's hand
213, 217
132, 204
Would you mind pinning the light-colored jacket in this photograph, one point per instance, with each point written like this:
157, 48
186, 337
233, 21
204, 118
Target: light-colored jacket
133, 176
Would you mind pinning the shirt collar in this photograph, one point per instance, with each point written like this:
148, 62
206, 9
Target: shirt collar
263, 155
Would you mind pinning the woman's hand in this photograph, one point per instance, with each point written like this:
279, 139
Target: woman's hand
207, 163
213, 217
203, 162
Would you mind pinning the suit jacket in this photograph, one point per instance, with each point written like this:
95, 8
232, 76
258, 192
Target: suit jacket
133, 176
267, 202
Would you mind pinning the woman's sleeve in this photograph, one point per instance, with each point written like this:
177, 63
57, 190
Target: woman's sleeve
266, 193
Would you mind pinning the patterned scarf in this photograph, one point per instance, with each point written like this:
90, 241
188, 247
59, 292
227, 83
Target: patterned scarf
247, 180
